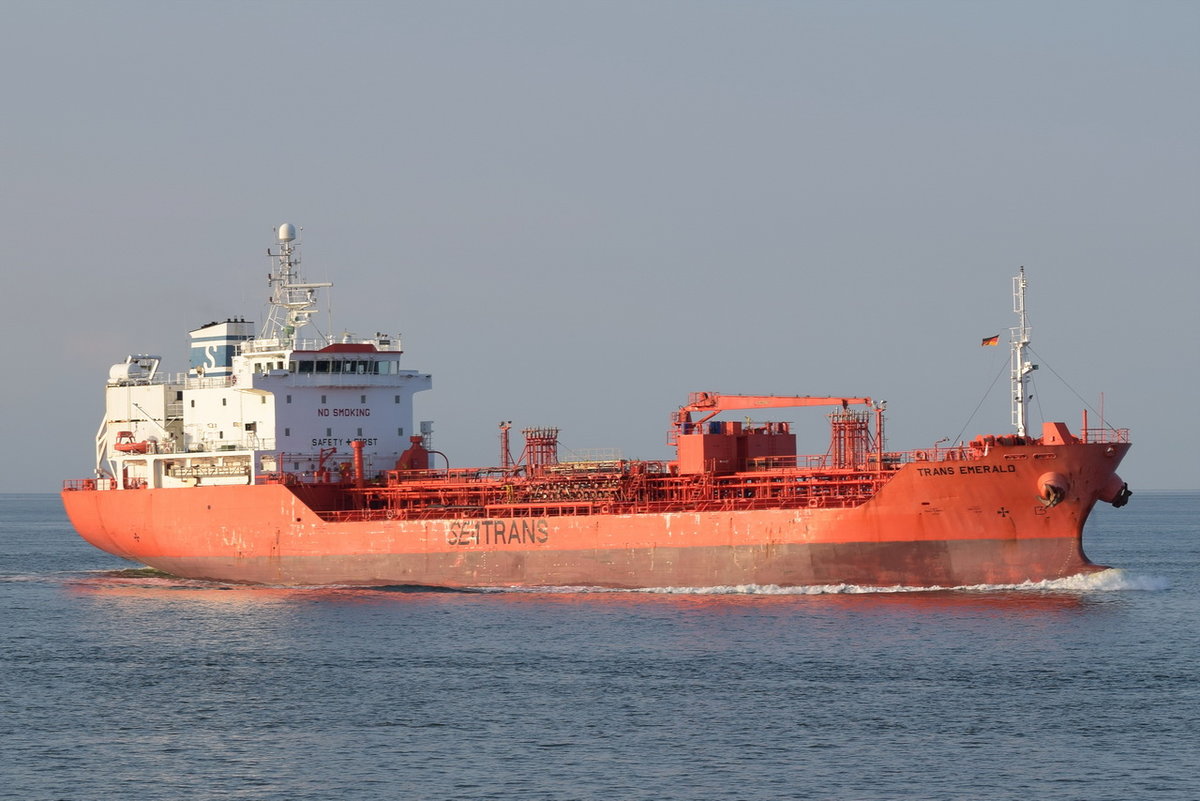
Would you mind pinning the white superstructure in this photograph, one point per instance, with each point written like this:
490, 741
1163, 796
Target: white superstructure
288, 399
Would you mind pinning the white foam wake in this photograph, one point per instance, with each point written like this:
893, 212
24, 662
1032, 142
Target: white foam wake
1111, 580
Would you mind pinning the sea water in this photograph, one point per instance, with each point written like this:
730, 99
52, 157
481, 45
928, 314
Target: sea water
120, 683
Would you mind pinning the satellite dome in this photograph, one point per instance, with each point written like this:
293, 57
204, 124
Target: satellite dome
287, 232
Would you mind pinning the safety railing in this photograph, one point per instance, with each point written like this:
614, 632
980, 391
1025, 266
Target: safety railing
89, 484
1106, 435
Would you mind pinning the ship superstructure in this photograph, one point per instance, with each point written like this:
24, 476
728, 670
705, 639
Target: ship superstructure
287, 399
288, 457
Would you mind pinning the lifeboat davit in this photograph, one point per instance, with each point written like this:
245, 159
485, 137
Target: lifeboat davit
126, 444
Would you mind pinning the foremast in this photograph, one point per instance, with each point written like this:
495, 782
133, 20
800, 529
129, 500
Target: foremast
1021, 368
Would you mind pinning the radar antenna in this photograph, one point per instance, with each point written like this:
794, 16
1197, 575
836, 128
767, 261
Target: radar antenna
293, 302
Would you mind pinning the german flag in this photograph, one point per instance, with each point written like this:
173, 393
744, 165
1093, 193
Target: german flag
992, 340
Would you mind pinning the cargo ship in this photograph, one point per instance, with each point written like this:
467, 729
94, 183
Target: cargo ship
285, 456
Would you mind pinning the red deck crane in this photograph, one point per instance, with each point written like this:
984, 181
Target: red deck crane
714, 403
849, 443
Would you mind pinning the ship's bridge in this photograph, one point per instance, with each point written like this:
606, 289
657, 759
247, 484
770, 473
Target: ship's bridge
349, 362
379, 342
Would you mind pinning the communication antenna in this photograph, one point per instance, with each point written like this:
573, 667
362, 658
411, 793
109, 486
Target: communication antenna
293, 302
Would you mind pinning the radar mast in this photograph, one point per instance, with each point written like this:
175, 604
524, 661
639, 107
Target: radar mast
293, 302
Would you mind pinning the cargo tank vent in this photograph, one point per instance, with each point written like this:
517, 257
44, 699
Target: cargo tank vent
541, 447
850, 438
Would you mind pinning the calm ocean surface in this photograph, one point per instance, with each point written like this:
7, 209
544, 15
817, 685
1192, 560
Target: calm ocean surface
120, 684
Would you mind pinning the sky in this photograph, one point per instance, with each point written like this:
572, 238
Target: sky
578, 213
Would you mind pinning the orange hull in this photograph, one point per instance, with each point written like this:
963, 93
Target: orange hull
942, 524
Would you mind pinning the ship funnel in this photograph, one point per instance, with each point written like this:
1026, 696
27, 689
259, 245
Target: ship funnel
214, 346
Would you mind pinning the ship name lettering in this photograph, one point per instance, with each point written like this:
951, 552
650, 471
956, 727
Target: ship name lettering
967, 470
514, 531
